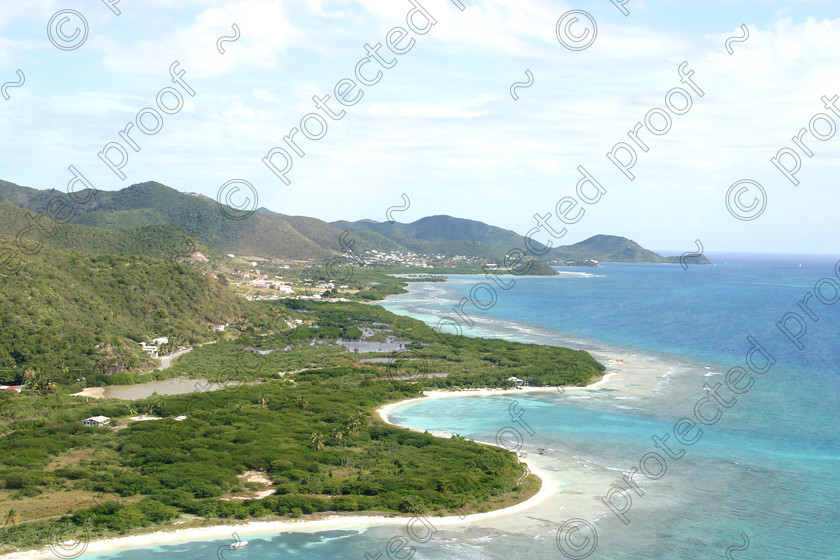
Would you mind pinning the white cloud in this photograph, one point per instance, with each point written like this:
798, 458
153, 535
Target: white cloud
265, 33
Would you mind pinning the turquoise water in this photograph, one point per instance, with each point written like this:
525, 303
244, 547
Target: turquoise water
767, 470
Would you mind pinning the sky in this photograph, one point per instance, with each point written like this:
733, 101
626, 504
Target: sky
657, 120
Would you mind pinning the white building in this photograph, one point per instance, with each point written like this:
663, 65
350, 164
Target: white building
152, 350
96, 421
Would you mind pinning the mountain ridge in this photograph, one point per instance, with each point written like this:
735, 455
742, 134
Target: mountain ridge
270, 234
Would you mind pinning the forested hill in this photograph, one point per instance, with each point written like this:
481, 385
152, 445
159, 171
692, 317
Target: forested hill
157, 240
261, 234
86, 313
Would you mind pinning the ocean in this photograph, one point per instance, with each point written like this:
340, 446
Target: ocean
760, 482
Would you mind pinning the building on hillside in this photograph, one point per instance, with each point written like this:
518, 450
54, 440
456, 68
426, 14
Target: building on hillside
11, 388
516, 382
161, 340
152, 350
96, 421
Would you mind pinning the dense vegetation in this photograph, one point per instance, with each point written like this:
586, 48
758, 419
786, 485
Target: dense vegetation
70, 315
160, 240
436, 359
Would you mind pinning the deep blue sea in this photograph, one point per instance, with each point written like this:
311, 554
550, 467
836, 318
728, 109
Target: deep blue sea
766, 472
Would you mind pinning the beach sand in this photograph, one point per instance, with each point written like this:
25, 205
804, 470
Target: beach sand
91, 392
384, 412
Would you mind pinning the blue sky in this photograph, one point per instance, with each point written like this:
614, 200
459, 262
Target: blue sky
441, 125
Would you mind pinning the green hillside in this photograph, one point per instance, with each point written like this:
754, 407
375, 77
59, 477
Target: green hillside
261, 234
159, 240
87, 312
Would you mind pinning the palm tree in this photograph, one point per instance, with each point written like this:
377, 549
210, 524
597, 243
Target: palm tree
338, 435
28, 375
317, 441
353, 425
302, 403
38, 387
263, 401
11, 518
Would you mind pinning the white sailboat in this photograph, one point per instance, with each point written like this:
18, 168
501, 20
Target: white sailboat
239, 543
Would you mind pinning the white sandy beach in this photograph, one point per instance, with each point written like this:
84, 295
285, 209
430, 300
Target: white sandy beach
386, 410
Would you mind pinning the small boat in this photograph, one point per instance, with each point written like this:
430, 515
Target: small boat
238, 544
